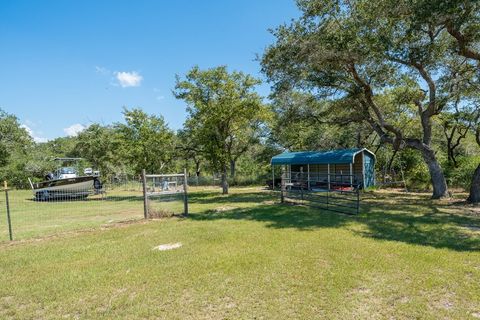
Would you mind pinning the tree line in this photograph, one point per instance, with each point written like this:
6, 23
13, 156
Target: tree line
398, 77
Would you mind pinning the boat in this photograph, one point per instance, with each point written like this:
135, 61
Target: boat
66, 183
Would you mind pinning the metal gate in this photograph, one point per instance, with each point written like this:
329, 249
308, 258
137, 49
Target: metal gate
335, 192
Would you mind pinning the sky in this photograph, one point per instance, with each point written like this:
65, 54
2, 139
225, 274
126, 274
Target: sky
67, 64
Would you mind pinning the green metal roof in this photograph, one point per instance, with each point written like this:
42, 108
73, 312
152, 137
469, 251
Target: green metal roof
318, 157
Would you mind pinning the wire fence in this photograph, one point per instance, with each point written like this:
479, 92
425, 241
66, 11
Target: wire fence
57, 209
50, 207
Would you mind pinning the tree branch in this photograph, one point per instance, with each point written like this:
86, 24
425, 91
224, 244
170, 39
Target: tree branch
368, 93
462, 42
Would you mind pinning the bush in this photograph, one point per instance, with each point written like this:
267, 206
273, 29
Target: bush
461, 177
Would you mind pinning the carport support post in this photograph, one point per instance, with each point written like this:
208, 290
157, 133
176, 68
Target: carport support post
301, 182
282, 188
308, 176
328, 179
273, 177
185, 196
351, 176
328, 175
8, 211
145, 196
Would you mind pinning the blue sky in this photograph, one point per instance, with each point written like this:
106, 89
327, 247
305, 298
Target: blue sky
66, 64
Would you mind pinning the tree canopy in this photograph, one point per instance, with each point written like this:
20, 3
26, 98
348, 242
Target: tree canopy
378, 61
224, 114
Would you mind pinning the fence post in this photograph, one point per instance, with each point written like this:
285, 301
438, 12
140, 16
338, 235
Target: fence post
145, 196
185, 195
301, 182
5, 185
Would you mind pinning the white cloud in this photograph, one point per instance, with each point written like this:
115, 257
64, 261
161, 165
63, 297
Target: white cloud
32, 133
74, 129
102, 70
129, 79
160, 98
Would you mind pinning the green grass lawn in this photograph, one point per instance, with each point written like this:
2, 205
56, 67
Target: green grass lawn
245, 257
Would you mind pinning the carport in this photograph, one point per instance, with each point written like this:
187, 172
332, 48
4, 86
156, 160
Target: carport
340, 169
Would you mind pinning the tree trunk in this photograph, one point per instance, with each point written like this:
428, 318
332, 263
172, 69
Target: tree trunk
474, 196
232, 168
197, 168
440, 189
224, 180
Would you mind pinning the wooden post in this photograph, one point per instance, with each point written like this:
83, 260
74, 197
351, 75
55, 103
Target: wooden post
145, 196
282, 188
5, 185
185, 196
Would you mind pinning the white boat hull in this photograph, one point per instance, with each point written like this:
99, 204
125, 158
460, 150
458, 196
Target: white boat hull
74, 187
66, 188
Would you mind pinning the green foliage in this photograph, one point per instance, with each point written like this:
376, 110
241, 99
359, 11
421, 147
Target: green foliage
15, 145
147, 142
394, 66
100, 146
301, 122
461, 176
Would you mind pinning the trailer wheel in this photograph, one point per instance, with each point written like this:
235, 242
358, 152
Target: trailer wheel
97, 185
42, 195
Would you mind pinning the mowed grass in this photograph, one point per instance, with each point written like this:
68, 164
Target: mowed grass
246, 257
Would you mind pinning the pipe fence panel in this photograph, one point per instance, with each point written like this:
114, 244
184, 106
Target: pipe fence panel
165, 195
335, 192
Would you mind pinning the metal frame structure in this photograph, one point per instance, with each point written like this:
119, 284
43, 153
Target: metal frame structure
341, 193
337, 188
166, 181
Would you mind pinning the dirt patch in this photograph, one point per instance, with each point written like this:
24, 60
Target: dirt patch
168, 246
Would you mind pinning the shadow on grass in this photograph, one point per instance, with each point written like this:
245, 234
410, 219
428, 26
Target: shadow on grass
411, 219
278, 216
205, 197
419, 220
